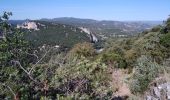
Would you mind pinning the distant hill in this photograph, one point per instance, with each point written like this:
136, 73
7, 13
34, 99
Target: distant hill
107, 28
15, 22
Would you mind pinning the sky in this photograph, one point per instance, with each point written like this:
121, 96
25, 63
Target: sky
120, 10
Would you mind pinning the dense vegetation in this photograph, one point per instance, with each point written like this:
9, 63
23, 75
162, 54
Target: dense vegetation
129, 64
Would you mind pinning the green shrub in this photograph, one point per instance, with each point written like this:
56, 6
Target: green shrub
144, 73
83, 49
111, 57
156, 29
130, 56
165, 40
114, 59
83, 78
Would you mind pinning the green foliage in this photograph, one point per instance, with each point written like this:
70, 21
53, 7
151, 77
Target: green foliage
114, 59
13, 48
165, 37
6, 16
156, 29
83, 49
131, 56
83, 78
111, 57
165, 40
4, 26
145, 72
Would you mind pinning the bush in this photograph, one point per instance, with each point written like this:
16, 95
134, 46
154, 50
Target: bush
144, 73
156, 29
130, 56
110, 57
83, 78
83, 49
165, 40
114, 59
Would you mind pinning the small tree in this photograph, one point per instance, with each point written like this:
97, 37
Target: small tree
15, 60
4, 26
165, 38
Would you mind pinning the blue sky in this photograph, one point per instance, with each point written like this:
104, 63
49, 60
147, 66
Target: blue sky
122, 10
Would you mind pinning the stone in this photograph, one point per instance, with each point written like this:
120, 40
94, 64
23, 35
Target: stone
148, 97
157, 92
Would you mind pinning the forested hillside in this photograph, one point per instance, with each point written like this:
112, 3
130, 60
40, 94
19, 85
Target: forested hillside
56, 34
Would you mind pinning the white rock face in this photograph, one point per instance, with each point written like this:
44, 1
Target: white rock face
92, 36
85, 30
158, 93
28, 25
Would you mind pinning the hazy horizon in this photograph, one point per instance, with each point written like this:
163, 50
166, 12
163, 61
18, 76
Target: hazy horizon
93, 19
114, 10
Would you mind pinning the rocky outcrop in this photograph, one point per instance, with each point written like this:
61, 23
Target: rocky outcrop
93, 38
159, 92
28, 25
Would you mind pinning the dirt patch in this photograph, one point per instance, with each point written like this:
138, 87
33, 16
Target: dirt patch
119, 83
